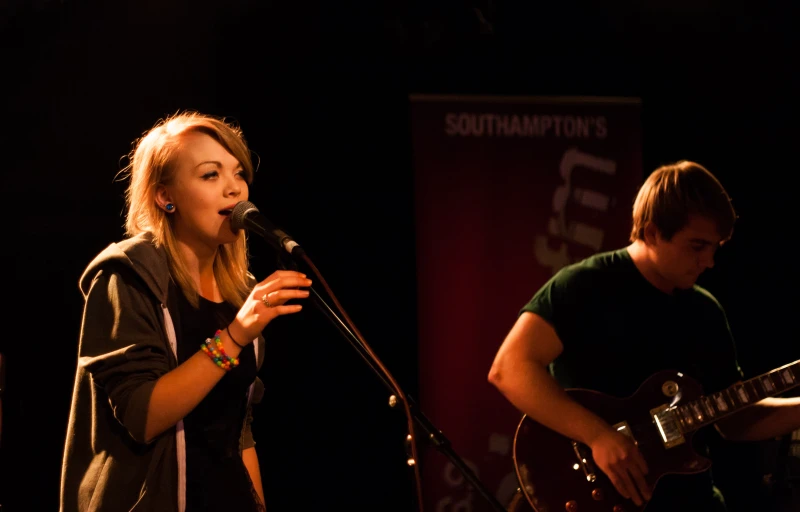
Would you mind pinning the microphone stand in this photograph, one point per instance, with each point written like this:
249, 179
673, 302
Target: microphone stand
434, 435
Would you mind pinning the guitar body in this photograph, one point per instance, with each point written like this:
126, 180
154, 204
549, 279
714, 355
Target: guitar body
550, 468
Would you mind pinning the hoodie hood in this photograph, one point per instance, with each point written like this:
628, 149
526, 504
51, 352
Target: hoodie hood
138, 253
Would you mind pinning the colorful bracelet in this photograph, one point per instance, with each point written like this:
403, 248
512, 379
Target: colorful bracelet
217, 353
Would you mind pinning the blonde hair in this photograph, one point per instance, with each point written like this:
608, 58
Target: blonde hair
673, 192
152, 163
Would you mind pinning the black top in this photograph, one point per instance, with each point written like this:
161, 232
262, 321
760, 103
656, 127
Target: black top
216, 478
617, 329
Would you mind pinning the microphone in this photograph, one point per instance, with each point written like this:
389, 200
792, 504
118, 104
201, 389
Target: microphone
245, 215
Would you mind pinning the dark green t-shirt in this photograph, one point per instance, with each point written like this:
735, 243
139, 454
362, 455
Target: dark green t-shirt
617, 329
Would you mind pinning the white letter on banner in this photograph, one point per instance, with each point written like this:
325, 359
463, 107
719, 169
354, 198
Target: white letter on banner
574, 231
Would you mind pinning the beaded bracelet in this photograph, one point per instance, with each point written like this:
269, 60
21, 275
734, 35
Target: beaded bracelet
217, 353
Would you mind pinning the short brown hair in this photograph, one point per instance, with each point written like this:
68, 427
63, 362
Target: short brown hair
673, 192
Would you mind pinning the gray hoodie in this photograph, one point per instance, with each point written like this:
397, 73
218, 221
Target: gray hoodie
127, 341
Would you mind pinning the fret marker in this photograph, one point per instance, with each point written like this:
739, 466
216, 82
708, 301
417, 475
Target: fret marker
709, 407
742, 393
698, 413
767, 383
722, 405
787, 376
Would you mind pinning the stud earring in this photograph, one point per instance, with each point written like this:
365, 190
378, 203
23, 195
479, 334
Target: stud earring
169, 207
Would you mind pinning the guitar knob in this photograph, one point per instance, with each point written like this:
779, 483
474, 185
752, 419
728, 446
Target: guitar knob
670, 388
597, 494
572, 506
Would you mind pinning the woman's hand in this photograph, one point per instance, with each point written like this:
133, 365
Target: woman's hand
267, 301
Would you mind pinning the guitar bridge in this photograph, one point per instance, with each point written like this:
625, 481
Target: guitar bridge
668, 425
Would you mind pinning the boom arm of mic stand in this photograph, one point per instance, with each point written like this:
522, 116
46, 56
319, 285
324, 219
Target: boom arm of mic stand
432, 433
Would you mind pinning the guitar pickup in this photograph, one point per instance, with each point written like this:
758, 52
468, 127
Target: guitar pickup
668, 426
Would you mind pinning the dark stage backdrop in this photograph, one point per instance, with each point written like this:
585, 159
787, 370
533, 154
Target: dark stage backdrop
322, 94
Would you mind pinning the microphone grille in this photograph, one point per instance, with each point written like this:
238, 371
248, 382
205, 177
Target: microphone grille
239, 212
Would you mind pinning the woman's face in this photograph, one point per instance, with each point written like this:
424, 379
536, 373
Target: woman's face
207, 183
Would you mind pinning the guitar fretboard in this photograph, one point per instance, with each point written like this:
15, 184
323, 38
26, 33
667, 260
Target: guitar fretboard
710, 408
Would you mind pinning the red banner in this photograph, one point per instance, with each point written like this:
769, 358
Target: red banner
508, 190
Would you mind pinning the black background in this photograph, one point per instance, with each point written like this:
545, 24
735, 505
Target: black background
321, 92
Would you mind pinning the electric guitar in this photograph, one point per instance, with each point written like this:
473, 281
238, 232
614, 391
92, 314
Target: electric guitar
557, 474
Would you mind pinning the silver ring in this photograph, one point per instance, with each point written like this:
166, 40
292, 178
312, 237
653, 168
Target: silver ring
265, 301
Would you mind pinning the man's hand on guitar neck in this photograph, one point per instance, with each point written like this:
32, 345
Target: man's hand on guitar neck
619, 458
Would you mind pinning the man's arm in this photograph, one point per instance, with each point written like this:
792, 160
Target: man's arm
766, 419
519, 372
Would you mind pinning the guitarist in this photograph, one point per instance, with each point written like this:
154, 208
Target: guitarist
610, 321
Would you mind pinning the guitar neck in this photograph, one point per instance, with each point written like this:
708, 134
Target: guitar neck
711, 408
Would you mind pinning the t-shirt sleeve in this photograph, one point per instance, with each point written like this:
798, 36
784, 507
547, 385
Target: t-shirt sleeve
560, 299
542, 301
